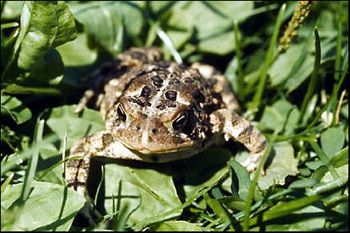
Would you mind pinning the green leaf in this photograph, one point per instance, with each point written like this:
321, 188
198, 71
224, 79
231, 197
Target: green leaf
44, 25
332, 140
15, 108
213, 23
179, 27
292, 67
63, 119
77, 52
12, 10
143, 190
274, 117
49, 70
176, 226
283, 164
104, 20
240, 179
48, 207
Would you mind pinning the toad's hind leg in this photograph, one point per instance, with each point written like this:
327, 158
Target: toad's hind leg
236, 127
220, 84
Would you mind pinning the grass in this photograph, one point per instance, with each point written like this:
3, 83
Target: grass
290, 79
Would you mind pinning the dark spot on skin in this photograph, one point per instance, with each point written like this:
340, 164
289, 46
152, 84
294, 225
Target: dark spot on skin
174, 81
177, 140
171, 105
154, 131
146, 91
107, 139
163, 64
198, 95
171, 95
246, 131
161, 107
157, 81
137, 101
138, 128
142, 72
154, 158
148, 104
188, 80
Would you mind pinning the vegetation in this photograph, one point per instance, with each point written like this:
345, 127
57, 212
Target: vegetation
287, 62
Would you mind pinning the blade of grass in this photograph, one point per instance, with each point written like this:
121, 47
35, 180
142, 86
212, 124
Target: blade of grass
162, 35
218, 209
99, 185
24, 155
239, 78
7, 182
334, 94
253, 106
324, 159
313, 79
64, 158
63, 161
285, 209
31, 169
330, 186
257, 173
15, 89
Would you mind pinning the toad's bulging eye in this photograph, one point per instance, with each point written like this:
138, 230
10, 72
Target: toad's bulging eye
180, 122
121, 113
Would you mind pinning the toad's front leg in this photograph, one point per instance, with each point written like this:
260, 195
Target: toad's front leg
236, 127
78, 168
100, 144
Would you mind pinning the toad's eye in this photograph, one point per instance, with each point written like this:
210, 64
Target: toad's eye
121, 113
180, 122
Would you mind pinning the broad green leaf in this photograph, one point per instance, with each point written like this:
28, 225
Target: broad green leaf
280, 165
332, 140
78, 58
176, 226
292, 67
104, 21
77, 52
213, 23
63, 119
179, 27
274, 117
49, 207
44, 25
15, 108
49, 70
143, 190
12, 10
240, 179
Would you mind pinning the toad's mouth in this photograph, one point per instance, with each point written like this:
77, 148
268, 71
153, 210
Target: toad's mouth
157, 148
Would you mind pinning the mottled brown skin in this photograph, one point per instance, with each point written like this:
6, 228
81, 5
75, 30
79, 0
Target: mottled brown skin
158, 111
